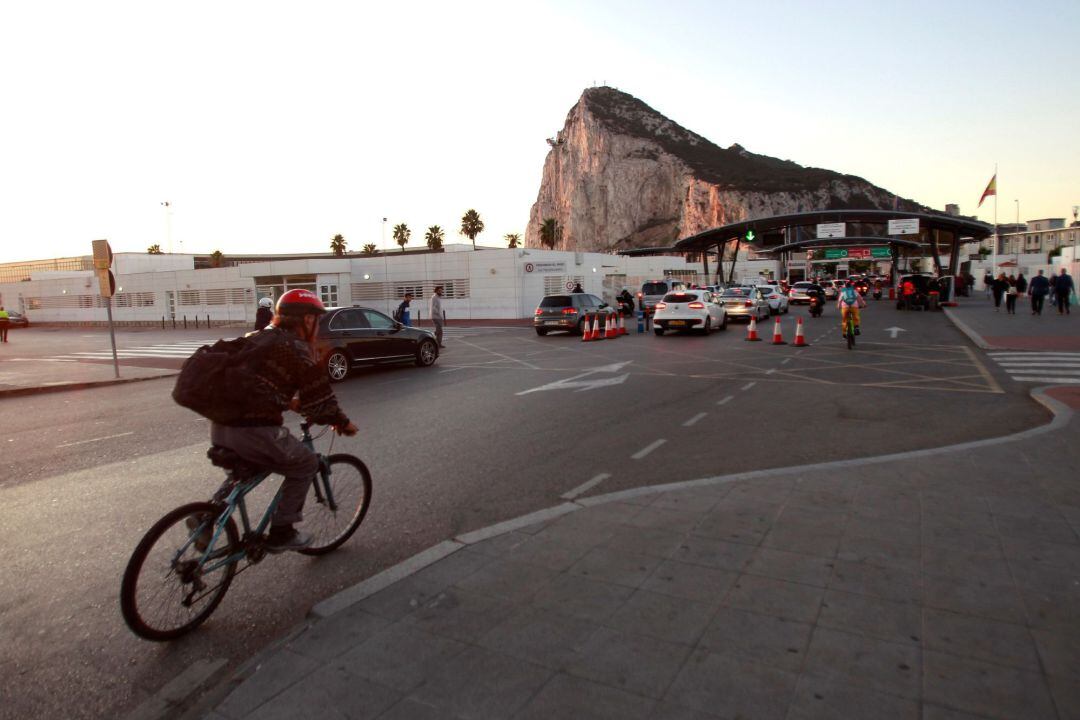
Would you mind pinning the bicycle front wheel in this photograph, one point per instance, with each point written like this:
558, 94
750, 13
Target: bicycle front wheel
850, 338
336, 507
164, 593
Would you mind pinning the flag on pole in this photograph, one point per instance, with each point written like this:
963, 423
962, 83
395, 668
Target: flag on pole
991, 189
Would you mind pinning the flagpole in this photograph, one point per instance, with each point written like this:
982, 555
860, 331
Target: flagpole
993, 268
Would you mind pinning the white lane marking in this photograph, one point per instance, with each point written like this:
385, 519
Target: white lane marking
785, 361
748, 385
584, 384
1032, 354
1033, 371
1062, 380
770, 372
694, 419
107, 437
1047, 363
723, 400
453, 369
571, 494
648, 449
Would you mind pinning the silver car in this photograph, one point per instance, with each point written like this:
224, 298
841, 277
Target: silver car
745, 302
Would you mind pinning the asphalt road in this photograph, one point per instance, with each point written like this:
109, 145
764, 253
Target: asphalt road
504, 424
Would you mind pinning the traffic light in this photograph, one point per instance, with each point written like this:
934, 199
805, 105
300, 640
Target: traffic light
750, 236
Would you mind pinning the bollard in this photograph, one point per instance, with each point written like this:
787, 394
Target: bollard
173, 322
641, 321
196, 322
185, 322
162, 322
208, 321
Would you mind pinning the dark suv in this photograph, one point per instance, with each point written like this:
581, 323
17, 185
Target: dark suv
567, 312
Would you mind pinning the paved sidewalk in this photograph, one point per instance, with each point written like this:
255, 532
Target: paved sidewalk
993, 329
37, 375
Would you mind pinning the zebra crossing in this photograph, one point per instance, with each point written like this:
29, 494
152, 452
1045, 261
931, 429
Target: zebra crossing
178, 351
1040, 367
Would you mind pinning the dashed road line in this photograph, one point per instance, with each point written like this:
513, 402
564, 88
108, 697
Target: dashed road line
571, 494
692, 421
648, 449
748, 385
107, 437
724, 400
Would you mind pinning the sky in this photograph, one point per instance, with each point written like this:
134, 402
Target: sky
272, 126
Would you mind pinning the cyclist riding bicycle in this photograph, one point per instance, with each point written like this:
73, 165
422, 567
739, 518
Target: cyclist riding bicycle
288, 364
849, 301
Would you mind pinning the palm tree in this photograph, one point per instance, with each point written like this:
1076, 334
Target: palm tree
550, 232
471, 226
434, 237
217, 259
369, 250
402, 233
512, 240
337, 244
154, 249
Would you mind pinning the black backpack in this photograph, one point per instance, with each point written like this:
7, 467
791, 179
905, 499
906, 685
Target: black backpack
216, 381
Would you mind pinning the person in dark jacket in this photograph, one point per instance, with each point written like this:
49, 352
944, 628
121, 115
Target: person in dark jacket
264, 314
999, 287
292, 378
402, 313
988, 283
1038, 289
578, 288
1063, 289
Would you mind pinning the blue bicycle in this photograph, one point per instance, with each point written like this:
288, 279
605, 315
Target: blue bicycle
183, 566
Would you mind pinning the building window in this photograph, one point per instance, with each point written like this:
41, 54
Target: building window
329, 295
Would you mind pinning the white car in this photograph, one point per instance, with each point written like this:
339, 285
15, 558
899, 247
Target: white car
778, 301
689, 310
831, 292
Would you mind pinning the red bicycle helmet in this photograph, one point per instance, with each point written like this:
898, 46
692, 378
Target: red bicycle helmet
300, 302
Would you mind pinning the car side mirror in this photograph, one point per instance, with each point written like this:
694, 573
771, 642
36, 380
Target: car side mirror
603, 305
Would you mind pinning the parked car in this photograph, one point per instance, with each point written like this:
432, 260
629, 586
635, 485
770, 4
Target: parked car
567, 312
745, 302
799, 292
354, 336
654, 291
689, 310
17, 320
778, 301
830, 288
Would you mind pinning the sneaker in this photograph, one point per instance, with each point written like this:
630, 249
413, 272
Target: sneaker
282, 539
203, 540
858, 332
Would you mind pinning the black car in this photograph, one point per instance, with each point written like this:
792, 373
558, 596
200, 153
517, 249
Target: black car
349, 337
568, 312
17, 320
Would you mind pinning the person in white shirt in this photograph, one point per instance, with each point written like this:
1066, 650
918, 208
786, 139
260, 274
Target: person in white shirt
438, 316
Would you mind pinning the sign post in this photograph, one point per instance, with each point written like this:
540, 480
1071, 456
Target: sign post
103, 258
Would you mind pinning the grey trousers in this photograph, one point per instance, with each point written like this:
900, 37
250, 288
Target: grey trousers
438, 332
275, 449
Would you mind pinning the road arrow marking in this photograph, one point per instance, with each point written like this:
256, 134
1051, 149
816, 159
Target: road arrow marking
894, 330
576, 383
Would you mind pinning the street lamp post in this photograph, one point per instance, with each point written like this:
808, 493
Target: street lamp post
1016, 255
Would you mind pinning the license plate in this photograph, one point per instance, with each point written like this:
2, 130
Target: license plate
551, 322
679, 323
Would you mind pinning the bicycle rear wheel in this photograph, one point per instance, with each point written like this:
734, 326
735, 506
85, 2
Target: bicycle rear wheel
850, 335
350, 487
163, 594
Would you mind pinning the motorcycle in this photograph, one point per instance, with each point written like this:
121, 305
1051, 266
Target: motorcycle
817, 306
626, 307
877, 292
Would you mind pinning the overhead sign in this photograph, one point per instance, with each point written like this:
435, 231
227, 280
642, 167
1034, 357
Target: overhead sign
831, 230
880, 252
546, 267
904, 226
856, 253
837, 253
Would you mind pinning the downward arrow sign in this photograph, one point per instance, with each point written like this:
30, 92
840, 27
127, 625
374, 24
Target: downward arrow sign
894, 330
575, 383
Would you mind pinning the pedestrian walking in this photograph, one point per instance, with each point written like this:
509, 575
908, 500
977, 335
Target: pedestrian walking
1063, 289
264, 314
1038, 289
438, 315
5, 322
402, 314
988, 283
998, 287
1010, 296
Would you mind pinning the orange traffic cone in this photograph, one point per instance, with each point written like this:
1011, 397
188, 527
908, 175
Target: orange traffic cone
586, 331
751, 331
800, 341
777, 337
622, 325
594, 334
610, 329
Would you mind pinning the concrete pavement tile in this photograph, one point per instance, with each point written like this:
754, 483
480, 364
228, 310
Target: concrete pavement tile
948, 538
942, 514
460, 615
539, 636
771, 490
897, 622
763, 639
847, 486
401, 657
694, 500
1040, 552
612, 513
813, 518
908, 533
820, 499
582, 598
554, 555
809, 540
570, 697
691, 582
743, 522
937, 712
339, 633
776, 597
450, 569
732, 687
645, 541
991, 568
880, 582
482, 684
972, 597
883, 553
330, 692
711, 552
1022, 504
795, 567
584, 529
980, 687
407, 595
825, 699
899, 509
1066, 694
659, 518
663, 617
979, 638
1052, 597
1043, 528
641, 665
409, 709
508, 580
668, 710
1060, 651
887, 667
500, 545
611, 565
270, 678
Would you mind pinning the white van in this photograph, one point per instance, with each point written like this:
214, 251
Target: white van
654, 291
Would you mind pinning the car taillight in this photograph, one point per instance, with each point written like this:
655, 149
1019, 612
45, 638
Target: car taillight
661, 305
569, 311
696, 306
748, 303
539, 311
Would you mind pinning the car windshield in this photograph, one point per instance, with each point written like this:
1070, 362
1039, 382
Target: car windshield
680, 297
654, 288
556, 301
736, 292
802, 285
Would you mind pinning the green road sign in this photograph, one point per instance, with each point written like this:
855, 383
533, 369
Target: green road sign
835, 253
880, 252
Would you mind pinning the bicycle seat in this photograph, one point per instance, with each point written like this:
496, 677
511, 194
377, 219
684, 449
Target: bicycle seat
227, 458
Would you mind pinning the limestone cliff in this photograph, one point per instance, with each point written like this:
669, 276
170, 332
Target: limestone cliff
621, 175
